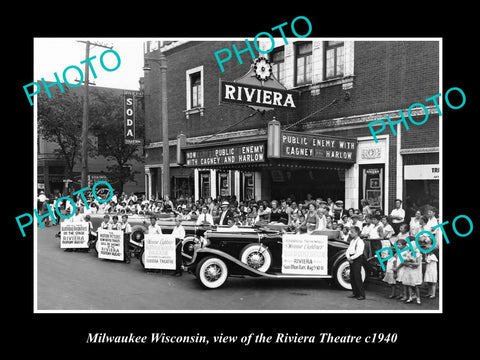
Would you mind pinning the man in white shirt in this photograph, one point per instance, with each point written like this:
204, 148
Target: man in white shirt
204, 218
375, 236
154, 228
179, 233
42, 198
127, 231
356, 259
397, 216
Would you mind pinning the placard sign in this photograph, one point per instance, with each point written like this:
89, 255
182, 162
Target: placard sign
74, 235
422, 172
305, 254
110, 244
159, 251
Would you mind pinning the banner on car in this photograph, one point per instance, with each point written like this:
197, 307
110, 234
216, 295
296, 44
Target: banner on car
159, 252
74, 235
110, 244
304, 254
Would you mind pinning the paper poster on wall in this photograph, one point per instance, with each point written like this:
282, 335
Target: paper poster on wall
73, 235
304, 254
159, 252
110, 244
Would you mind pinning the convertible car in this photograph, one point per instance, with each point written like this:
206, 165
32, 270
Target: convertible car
213, 253
260, 252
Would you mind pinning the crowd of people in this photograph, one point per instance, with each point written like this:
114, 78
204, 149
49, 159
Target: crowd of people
377, 229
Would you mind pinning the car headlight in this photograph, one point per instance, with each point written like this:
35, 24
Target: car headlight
205, 242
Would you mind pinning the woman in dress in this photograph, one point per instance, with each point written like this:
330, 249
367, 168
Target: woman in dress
263, 215
412, 273
365, 207
312, 220
277, 214
252, 215
431, 272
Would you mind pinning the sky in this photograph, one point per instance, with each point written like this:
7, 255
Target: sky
55, 54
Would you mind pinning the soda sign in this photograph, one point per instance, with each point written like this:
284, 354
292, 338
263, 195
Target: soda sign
129, 105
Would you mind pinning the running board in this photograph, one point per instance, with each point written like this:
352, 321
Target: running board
256, 272
297, 276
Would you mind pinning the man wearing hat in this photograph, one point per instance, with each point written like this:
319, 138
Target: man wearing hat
225, 214
338, 210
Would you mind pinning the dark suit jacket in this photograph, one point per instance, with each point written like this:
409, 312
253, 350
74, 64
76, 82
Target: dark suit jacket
228, 215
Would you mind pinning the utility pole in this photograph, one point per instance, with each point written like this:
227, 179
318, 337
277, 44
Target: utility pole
159, 58
166, 147
84, 180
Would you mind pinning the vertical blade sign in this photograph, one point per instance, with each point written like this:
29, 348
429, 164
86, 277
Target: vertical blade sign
129, 118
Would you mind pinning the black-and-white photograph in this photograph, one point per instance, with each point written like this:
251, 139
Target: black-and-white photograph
269, 174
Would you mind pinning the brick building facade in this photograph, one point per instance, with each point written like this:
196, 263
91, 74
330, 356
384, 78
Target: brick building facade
368, 79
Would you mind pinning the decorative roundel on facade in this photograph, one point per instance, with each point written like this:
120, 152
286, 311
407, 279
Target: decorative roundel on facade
263, 69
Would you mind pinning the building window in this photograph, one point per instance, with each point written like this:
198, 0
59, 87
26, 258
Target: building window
205, 190
223, 184
248, 190
196, 89
334, 59
278, 60
303, 63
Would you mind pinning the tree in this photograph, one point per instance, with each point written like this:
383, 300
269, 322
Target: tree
60, 121
107, 123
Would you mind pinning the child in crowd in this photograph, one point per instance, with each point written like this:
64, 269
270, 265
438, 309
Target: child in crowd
387, 228
403, 231
302, 229
431, 272
400, 267
115, 224
390, 272
388, 232
294, 221
412, 273
105, 224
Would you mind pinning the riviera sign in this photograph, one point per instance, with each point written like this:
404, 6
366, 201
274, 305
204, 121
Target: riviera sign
252, 95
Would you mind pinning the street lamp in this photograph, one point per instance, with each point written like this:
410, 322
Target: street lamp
159, 58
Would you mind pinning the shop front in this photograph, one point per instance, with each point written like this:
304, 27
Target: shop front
421, 186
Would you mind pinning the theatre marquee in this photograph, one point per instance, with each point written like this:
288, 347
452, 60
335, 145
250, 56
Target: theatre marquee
244, 153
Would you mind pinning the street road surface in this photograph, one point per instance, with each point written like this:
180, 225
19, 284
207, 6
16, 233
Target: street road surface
81, 281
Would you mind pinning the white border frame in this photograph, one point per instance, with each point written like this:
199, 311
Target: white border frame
263, 311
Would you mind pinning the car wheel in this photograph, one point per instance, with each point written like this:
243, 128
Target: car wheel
256, 256
341, 275
138, 233
211, 272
